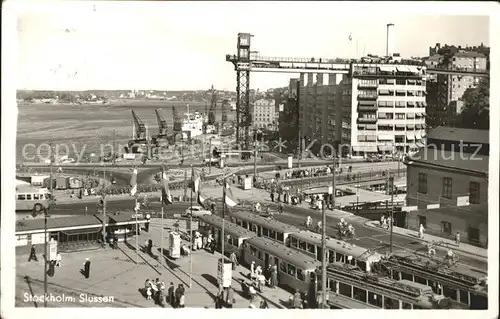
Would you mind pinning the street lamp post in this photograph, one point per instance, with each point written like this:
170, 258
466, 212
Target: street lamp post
46, 253
391, 180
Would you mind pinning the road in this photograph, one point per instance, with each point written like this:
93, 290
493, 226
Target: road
372, 238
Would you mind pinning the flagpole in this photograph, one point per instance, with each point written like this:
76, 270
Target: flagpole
191, 229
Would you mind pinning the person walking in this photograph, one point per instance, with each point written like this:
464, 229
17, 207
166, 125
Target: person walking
273, 282
171, 295
421, 231
86, 267
234, 260
457, 238
230, 297
32, 254
58, 260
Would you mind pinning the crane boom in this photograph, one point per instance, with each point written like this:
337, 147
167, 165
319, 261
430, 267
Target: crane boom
140, 127
162, 123
224, 107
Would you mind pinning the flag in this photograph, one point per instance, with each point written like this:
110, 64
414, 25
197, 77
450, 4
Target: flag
201, 199
195, 179
133, 183
166, 197
229, 198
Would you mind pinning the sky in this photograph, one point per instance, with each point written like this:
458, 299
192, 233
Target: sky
182, 45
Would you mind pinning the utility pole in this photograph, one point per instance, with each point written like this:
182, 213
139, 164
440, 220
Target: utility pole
210, 161
254, 154
223, 217
114, 147
46, 253
185, 183
391, 180
297, 108
103, 195
191, 230
323, 256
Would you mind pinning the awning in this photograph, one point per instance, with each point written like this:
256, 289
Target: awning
418, 136
371, 138
385, 148
391, 81
366, 149
411, 82
410, 126
418, 126
401, 91
371, 126
382, 115
384, 68
419, 144
411, 103
410, 115
402, 68
383, 91
385, 137
400, 126
367, 103
410, 137
361, 126
400, 103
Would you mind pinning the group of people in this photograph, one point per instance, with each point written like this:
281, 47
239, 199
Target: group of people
345, 229
57, 262
176, 297
386, 222
309, 224
202, 241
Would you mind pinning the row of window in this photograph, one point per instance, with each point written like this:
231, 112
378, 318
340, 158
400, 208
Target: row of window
447, 188
32, 196
369, 297
401, 104
400, 92
268, 233
284, 267
401, 82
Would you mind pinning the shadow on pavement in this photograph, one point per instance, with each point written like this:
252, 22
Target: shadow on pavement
27, 278
211, 279
284, 303
129, 246
128, 256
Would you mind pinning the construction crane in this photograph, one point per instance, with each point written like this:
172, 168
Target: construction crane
213, 106
140, 133
162, 124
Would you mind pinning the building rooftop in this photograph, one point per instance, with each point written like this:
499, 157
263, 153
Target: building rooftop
459, 134
57, 223
442, 158
470, 54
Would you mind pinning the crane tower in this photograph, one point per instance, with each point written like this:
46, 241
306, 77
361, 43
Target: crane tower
213, 106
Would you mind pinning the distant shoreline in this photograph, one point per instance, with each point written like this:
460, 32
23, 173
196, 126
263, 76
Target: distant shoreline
124, 103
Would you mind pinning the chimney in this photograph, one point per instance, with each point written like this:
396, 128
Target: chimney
390, 40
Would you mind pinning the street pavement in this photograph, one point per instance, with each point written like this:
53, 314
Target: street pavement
114, 273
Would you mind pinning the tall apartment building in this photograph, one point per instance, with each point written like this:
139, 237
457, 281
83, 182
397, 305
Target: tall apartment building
377, 108
446, 90
264, 114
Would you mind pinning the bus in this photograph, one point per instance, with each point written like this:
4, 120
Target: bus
32, 199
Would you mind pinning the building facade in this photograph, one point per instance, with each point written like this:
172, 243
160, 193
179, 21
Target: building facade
451, 172
264, 114
376, 108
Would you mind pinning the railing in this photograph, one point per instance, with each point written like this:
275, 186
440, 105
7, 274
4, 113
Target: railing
457, 69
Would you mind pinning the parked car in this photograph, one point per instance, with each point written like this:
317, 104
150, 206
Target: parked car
196, 212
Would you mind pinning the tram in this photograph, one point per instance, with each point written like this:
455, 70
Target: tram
263, 227
235, 235
309, 243
382, 292
295, 270
461, 284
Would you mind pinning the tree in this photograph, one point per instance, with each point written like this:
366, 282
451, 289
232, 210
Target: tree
476, 112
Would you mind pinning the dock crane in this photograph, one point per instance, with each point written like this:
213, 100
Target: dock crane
140, 134
177, 121
224, 107
162, 124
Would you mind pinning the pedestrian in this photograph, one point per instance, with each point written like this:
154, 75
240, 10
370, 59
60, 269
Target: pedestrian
261, 282
234, 260
457, 238
32, 254
218, 301
274, 277
150, 246
58, 260
182, 301
252, 270
149, 293
230, 297
264, 305
86, 267
296, 300
171, 295
178, 294
272, 197
304, 300
212, 247
421, 231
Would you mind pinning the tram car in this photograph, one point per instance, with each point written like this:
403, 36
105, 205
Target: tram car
295, 270
459, 283
309, 243
235, 235
263, 227
382, 292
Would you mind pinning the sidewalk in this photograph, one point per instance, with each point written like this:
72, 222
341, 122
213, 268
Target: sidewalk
114, 273
463, 247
